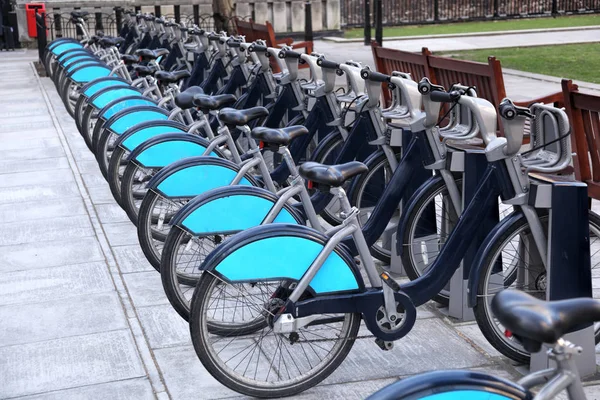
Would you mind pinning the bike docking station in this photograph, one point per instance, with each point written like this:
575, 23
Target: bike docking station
464, 155
568, 272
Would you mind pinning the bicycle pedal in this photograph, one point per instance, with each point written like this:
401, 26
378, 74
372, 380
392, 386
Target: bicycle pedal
388, 280
384, 344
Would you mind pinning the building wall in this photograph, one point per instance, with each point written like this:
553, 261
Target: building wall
286, 16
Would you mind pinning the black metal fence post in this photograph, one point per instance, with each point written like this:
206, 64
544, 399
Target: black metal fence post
57, 25
436, 10
138, 9
496, 15
367, 22
196, 14
119, 18
42, 40
554, 8
98, 26
157, 11
379, 22
308, 30
177, 12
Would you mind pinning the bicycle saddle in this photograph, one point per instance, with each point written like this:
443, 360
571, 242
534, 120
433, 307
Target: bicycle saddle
108, 41
535, 321
185, 99
129, 59
94, 39
207, 103
231, 116
143, 70
280, 137
79, 14
331, 175
148, 54
171, 77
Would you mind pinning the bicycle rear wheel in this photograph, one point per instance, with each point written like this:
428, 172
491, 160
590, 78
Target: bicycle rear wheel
263, 363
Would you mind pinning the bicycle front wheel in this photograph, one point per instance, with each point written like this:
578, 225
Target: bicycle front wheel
263, 363
514, 263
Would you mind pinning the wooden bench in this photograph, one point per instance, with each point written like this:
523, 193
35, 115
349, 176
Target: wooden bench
584, 117
487, 78
253, 31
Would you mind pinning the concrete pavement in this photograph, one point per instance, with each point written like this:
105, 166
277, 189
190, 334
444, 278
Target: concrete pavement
84, 316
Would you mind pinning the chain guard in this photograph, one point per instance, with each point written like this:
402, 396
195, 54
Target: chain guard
369, 314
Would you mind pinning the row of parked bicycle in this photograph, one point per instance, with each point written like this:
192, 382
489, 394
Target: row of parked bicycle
262, 199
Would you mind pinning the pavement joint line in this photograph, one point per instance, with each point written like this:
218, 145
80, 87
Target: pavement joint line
62, 337
468, 34
140, 339
74, 387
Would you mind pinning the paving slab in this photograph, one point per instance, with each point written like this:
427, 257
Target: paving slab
40, 230
130, 389
121, 233
31, 153
81, 315
145, 288
68, 362
163, 326
131, 259
50, 254
39, 192
111, 212
36, 178
36, 210
62, 282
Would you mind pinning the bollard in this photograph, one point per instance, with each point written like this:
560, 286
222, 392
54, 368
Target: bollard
367, 22
378, 22
41, 33
308, 31
177, 12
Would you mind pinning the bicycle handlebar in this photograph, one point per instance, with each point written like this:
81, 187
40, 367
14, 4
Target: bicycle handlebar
367, 74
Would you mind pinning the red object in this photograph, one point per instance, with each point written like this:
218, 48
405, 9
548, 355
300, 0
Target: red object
30, 13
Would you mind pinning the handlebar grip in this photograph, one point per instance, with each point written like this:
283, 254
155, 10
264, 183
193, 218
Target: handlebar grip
323, 63
444, 97
369, 75
214, 36
289, 54
233, 43
257, 48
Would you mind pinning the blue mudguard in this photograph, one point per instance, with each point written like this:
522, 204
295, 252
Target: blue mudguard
59, 41
163, 150
144, 131
231, 209
95, 86
284, 251
453, 385
486, 247
88, 73
68, 58
102, 97
192, 176
410, 208
88, 61
125, 119
123, 103
64, 47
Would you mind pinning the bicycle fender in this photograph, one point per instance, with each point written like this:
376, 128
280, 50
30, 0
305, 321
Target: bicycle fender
486, 247
284, 251
367, 162
102, 97
63, 47
165, 149
121, 121
410, 207
144, 131
466, 385
87, 73
91, 88
123, 103
192, 176
231, 209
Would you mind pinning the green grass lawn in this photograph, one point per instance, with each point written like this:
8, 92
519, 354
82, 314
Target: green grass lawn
481, 26
574, 61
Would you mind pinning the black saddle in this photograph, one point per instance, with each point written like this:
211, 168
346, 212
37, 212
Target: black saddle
129, 59
79, 14
209, 103
535, 321
147, 54
331, 175
185, 99
171, 77
94, 39
233, 117
279, 137
145, 70
109, 41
